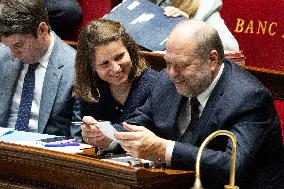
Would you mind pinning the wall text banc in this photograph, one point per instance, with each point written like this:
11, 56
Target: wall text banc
258, 27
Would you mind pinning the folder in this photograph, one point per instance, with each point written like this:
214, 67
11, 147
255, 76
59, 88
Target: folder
145, 22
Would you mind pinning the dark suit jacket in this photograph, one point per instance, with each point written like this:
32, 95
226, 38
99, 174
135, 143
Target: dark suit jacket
238, 103
64, 17
56, 103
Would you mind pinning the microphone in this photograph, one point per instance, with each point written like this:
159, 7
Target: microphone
197, 184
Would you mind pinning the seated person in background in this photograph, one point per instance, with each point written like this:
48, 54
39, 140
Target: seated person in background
64, 16
203, 10
199, 93
112, 80
36, 71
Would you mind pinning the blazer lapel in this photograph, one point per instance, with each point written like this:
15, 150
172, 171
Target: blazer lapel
49, 91
211, 104
178, 101
205, 117
167, 109
50, 85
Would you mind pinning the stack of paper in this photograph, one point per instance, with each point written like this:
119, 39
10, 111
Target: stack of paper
36, 140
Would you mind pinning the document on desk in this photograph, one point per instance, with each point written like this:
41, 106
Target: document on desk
14, 136
107, 129
36, 140
145, 22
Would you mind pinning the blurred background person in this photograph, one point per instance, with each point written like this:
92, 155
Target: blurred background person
202, 10
112, 79
64, 16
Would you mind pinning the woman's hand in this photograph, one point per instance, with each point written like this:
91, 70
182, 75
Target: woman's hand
174, 12
92, 135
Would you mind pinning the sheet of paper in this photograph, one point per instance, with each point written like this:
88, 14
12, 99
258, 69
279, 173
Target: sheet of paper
107, 129
34, 139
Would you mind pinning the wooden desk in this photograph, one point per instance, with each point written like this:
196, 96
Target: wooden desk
32, 168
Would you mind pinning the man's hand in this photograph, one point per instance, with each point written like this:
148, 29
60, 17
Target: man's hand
174, 12
92, 134
141, 142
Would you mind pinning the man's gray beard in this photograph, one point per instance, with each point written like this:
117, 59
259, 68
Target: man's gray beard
195, 91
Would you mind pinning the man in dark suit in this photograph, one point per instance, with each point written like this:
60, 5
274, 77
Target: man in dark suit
27, 41
228, 97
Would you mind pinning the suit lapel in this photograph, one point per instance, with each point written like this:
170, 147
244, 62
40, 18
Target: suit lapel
212, 103
168, 108
176, 108
50, 85
205, 117
181, 100
49, 91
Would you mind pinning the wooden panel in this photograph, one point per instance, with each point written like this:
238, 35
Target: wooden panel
28, 167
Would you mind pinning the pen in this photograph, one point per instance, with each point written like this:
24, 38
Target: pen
55, 139
61, 144
63, 141
9, 132
81, 122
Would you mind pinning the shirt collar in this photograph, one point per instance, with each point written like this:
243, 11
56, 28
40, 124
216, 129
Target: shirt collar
203, 97
44, 60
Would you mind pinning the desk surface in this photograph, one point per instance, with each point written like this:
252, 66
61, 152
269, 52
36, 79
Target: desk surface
30, 167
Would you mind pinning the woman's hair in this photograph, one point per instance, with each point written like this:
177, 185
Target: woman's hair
188, 6
87, 83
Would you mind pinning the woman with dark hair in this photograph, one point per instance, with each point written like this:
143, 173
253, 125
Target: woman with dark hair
111, 80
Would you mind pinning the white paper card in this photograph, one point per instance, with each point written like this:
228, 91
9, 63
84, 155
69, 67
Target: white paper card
107, 129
